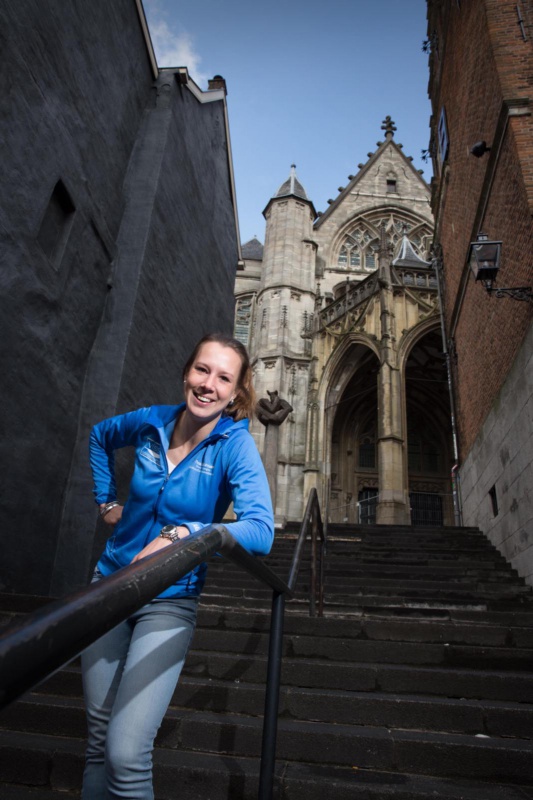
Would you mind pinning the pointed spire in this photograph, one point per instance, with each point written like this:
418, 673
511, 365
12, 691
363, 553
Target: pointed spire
389, 127
408, 257
293, 177
292, 186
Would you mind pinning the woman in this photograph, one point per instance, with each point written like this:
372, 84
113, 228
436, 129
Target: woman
192, 460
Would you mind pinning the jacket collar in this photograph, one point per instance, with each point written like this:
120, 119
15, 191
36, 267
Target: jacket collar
161, 416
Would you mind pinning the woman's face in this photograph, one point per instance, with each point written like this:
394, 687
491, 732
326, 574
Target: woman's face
212, 381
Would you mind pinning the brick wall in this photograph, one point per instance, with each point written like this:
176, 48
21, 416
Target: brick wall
482, 75
481, 61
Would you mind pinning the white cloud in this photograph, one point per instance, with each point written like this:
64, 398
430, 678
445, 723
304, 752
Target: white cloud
173, 49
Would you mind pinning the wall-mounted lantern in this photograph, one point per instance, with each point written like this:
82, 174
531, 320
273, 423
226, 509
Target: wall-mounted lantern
484, 260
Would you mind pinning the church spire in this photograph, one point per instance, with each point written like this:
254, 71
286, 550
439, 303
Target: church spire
292, 186
407, 256
389, 127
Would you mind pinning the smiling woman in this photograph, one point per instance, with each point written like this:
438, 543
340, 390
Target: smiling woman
192, 461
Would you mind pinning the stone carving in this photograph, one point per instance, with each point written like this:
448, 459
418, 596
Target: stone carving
273, 410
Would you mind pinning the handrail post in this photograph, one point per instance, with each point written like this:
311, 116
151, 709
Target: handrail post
270, 721
312, 594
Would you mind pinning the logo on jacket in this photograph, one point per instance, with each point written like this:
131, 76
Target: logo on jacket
152, 451
204, 469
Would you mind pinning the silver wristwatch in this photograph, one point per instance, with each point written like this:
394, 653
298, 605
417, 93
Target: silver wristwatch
170, 532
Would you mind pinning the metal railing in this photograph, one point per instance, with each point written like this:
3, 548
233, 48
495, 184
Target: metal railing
432, 508
46, 640
367, 509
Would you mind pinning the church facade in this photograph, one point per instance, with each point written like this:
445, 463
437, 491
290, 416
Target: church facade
341, 315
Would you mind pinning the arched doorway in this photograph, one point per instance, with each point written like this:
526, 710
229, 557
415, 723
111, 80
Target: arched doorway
354, 459
429, 440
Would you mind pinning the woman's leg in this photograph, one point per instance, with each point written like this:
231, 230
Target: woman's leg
162, 632
102, 665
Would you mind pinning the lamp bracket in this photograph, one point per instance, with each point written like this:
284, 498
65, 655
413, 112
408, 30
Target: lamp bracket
516, 292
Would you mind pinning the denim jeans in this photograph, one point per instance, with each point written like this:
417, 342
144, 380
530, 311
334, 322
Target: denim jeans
129, 676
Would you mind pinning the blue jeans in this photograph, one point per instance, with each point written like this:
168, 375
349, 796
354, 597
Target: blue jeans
129, 676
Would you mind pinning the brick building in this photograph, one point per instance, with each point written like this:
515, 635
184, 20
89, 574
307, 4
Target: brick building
481, 85
119, 249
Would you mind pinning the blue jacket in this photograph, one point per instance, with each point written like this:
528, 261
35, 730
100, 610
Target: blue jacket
224, 467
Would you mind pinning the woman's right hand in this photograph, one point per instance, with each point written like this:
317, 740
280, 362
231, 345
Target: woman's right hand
113, 515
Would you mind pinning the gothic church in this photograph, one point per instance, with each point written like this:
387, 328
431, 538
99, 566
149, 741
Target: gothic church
340, 312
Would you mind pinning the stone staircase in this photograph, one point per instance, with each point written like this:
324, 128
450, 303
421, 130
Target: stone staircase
417, 683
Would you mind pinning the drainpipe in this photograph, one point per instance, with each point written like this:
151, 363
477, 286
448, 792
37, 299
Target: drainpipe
436, 261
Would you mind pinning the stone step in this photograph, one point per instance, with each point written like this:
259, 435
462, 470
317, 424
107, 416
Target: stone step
506, 600
368, 651
436, 754
475, 631
225, 776
388, 605
371, 747
361, 576
437, 681
340, 569
14, 792
462, 585
57, 705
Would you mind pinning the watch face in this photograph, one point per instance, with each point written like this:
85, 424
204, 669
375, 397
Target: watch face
169, 529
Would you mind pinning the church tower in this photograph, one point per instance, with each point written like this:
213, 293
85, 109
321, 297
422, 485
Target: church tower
280, 343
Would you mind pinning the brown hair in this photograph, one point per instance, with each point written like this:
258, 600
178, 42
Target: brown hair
243, 406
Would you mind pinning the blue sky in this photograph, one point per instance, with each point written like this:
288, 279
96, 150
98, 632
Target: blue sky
308, 83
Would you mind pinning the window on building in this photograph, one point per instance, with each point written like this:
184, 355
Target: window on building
494, 501
343, 257
56, 224
243, 319
423, 454
391, 185
370, 259
367, 453
355, 258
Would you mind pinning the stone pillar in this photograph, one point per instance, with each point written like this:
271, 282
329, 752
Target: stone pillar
271, 412
393, 506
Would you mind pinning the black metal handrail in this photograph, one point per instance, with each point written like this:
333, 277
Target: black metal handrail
49, 638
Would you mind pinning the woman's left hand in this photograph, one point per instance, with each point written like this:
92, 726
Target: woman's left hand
158, 543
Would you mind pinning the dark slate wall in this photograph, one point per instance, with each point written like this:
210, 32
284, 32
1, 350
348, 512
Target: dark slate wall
186, 288
74, 80
77, 92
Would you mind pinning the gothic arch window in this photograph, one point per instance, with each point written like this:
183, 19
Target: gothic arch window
367, 453
355, 257
424, 453
343, 257
397, 225
359, 248
370, 257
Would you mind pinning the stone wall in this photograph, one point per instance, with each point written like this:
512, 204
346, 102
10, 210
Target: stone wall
501, 464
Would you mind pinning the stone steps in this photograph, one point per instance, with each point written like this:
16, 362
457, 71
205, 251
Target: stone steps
416, 683
227, 777
492, 718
